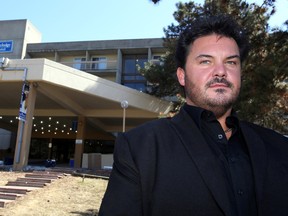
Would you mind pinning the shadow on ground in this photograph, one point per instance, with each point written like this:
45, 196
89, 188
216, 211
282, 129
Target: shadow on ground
90, 212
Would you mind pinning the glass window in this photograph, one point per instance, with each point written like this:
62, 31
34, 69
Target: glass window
77, 63
130, 74
156, 60
99, 63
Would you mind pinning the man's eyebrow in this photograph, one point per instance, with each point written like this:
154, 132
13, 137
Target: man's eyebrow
233, 56
203, 56
209, 56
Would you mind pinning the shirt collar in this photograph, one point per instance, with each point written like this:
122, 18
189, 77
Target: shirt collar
199, 114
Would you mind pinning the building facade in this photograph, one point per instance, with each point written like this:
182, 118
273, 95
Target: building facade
115, 60
109, 66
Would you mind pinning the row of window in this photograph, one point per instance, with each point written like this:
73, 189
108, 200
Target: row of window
130, 74
98, 63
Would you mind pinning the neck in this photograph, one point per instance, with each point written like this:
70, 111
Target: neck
221, 113
222, 119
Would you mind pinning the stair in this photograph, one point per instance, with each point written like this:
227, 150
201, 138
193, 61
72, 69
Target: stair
3, 202
5, 189
26, 184
23, 185
10, 196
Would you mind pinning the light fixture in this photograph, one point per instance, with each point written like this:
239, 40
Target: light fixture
4, 62
124, 105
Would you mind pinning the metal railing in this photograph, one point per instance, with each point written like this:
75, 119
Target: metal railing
93, 66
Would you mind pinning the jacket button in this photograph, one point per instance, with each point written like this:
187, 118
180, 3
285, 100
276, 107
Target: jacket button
240, 192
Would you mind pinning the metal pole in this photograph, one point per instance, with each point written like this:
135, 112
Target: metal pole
124, 117
124, 105
20, 142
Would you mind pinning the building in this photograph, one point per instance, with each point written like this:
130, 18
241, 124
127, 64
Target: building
74, 97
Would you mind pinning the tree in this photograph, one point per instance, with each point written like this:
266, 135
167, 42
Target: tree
155, 1
264, 94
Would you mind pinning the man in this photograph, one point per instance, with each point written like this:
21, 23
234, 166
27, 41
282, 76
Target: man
203, 161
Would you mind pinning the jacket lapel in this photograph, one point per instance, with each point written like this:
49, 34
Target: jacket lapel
208, 163
258, 158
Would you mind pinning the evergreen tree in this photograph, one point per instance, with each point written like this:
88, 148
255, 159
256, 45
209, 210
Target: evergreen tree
264, 93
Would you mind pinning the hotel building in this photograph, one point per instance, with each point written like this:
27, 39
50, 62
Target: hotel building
68, 100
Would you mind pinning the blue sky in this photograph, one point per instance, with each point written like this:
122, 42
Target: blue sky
64, 20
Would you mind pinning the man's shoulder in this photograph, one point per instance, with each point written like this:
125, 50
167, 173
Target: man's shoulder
151, 125
264, 131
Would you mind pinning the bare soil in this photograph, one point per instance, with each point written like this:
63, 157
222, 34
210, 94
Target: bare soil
70, 195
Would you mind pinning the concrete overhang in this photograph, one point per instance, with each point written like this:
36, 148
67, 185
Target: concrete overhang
66, 93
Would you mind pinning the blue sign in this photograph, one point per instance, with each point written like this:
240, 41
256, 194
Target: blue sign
23, 102
6, 46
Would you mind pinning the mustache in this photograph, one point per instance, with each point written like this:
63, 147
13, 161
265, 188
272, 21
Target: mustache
219, 80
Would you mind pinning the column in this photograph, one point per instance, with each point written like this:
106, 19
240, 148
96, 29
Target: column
149, 54
79, 142
24, 132
119, 67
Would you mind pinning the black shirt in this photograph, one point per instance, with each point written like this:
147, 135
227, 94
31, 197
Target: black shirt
236, 162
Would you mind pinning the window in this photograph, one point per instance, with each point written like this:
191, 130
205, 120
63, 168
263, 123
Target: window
99, 63
130, 74
77, 63
156, 57
157, 60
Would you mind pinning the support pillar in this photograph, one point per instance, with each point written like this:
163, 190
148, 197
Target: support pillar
119, 67
24, 132
79, 143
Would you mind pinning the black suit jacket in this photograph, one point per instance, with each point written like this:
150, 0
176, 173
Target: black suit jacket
165, 168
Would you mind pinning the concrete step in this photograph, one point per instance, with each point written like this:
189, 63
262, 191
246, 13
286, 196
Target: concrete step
10, 196
40, 180
13, 190
3, 202
26, 184
38, 175
32, 181
49, 173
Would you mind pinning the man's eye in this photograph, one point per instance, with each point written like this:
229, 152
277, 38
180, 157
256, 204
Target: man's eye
205, 62
231, 62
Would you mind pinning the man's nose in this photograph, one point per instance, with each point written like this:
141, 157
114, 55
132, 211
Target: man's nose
219, 70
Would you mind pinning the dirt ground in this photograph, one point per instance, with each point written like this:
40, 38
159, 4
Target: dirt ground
69, 195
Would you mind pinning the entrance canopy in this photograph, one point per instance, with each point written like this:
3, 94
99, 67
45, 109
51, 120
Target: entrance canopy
64, 94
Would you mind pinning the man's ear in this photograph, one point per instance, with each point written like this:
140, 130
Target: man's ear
181, 76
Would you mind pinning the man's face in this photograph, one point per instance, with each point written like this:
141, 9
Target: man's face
212, 75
